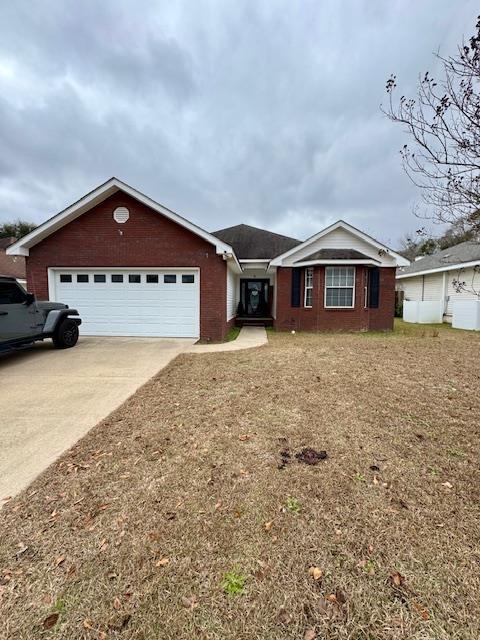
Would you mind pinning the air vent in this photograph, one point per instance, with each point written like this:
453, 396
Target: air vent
121, 215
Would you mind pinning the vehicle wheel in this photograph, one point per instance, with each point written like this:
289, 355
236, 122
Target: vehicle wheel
66, 335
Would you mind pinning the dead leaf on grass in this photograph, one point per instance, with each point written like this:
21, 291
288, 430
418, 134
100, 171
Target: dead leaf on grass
268, 525
117, 604
283, 617
50, 621
421, 610
315, 572
310, 634
244, 437
59, 560
162, 562
397, 579
190, 603
448, 485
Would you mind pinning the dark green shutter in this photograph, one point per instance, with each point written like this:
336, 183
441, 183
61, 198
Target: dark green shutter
296, 284
373, 287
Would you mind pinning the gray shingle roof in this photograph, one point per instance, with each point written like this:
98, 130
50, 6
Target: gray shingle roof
336, 254
250, 243
460, 253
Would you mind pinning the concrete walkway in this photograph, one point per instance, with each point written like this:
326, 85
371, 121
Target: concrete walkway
50, 398
248, 338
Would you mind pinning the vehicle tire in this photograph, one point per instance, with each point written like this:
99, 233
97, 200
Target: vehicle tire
66, 334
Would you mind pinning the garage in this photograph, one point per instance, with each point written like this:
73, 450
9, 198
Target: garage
160, 302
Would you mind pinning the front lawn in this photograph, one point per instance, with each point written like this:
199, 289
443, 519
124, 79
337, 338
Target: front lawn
185, 514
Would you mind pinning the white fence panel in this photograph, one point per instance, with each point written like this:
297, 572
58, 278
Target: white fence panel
466, 314
423, 311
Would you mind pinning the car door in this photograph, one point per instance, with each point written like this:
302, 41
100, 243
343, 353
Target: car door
17, 319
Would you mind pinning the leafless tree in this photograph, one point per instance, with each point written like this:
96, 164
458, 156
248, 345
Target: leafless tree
443, 122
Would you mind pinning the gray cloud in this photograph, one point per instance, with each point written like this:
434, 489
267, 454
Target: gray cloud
261, 112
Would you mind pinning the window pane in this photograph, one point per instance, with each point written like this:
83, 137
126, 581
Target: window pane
152, 278
134, 278
188, 279
308, 298
339, 297
170, 279
339, 276
309, 277
82, 277
65, 277
117, 277
99, 277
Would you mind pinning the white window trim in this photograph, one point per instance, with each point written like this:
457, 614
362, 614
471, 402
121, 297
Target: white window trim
307, 288
352, 306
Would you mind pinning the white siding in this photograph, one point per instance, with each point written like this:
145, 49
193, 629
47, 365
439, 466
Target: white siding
433, 287
340, 239
411, 287
472, 281
232, 294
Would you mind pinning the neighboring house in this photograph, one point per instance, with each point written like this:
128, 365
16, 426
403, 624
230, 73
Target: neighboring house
12, 265
133, 267
446, 276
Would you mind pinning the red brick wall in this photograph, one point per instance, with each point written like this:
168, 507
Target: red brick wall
147, 239
320, 319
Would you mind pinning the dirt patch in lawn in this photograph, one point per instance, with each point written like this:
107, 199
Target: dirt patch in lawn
171, 519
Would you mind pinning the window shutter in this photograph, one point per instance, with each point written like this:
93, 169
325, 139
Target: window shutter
296, 281
373, 287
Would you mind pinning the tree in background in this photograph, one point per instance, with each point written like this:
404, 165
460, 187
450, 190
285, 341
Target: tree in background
443, 123
16, 229
423, 243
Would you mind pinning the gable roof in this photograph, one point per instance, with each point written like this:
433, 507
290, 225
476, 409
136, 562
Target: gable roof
251, 243
336, 254
341, 224
452, 258
96, 196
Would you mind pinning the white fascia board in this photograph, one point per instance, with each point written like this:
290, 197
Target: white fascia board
22, 246
450, 267
312, 263
340, 224
255, 260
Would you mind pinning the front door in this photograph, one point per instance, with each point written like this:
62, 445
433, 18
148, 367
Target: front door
254, 297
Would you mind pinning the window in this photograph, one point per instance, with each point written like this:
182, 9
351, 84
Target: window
65, 277
152, 278
170, 279
117, 277
339, 287
188, 279
10, 293
134, 278
307, 300
82, 277
99, 277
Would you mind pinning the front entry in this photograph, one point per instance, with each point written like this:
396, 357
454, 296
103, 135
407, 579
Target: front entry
254, 296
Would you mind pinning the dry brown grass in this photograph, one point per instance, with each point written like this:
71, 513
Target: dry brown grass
187, 470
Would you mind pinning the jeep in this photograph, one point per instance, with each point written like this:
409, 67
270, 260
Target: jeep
23, 320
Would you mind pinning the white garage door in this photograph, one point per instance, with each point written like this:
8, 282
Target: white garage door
131, 302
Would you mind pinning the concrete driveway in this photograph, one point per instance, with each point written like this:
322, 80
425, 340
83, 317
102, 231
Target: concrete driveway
50, 398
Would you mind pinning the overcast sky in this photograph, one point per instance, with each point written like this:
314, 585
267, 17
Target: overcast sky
263, 112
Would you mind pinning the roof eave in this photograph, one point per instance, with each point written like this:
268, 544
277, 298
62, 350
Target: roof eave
449, 267
312, 263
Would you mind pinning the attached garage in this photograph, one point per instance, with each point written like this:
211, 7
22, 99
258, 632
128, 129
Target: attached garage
129, 301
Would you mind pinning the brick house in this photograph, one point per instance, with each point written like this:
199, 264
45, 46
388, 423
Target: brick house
133, 267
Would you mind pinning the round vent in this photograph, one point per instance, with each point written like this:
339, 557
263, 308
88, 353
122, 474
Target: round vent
121, 215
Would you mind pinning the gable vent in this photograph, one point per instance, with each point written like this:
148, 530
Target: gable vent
121, 215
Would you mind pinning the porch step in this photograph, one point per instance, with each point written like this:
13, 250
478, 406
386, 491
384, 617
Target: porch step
253, 322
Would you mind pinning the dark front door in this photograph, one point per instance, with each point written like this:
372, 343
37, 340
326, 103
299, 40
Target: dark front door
254, 297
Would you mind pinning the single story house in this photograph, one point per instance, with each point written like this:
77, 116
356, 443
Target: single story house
443, 277
132, 267
12, 265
